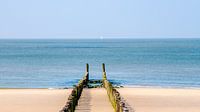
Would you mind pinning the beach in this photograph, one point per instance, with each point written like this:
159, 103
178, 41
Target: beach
33, 100
94, 100
162, 99
139, 99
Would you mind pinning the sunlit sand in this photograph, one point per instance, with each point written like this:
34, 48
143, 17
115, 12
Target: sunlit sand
32, 100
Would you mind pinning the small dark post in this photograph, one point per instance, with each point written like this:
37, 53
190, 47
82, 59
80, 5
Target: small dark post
103, 67
104, 71
87, 72
87, 67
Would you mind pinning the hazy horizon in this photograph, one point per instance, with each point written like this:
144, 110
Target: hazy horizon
97, 38
100, 38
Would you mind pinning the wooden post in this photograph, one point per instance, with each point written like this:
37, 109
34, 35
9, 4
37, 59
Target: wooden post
87, 67
87, 72
104, 71
103, 67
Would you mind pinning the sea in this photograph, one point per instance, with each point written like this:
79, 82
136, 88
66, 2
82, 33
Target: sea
61, 63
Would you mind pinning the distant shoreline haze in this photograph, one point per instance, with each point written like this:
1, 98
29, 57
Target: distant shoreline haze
95, 38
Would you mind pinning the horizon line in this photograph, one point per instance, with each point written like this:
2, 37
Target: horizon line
106, 37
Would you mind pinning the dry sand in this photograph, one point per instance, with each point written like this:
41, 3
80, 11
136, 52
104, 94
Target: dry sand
162, 100
94, 100
32, 100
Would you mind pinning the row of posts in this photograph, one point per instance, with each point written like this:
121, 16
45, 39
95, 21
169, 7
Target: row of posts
113, 94
76, 93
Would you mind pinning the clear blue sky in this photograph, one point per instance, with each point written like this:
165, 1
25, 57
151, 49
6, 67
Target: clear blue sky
95, 18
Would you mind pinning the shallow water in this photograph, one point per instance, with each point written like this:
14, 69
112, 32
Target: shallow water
136, 62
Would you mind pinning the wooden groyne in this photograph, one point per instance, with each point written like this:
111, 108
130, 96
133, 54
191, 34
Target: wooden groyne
76, 93
113, 94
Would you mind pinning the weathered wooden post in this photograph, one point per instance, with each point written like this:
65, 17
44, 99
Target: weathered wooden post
103, 67
87, 72
104, 71
87, 67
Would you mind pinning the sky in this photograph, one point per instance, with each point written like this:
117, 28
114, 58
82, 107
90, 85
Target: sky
99, 18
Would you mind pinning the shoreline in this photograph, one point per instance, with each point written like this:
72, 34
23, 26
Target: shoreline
121, 86
41, 88
160, 87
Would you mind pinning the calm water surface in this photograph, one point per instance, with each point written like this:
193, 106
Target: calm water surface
61, 63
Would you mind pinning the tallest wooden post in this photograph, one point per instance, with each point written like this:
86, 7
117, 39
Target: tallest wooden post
87, 72
103, 67
104, 71
87, 67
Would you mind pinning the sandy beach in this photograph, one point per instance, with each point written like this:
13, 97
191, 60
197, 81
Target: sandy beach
96, 100
32, 100
162, 100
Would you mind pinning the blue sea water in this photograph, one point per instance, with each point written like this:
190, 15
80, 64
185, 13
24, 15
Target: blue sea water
129, 62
